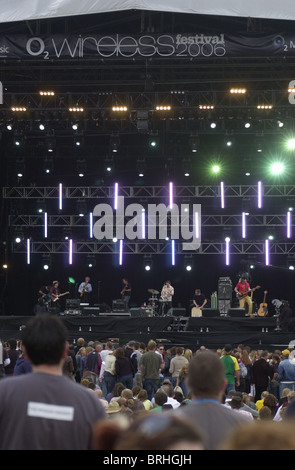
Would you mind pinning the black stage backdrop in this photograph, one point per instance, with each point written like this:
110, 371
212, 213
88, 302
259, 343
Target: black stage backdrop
23, 281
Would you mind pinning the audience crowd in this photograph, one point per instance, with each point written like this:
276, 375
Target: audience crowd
160, 397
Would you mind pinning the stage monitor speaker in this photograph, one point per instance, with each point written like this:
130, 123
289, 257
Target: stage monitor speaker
236, 312
177, 312
118, 306
210, 312
141, 312
91, 311
72, 303
74, 312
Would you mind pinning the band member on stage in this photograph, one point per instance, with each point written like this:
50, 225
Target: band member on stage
44, 297
199, 300
126, 292
55, 293
242, 290
85, 289
167, 293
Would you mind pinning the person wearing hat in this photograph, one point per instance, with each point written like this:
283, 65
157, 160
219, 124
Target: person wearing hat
232, 369
286, 372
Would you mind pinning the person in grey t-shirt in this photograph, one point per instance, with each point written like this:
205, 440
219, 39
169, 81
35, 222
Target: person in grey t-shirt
207, 383
44, 409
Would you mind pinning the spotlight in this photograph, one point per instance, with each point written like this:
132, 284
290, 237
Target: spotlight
291, 144
46, 262
264, 106
46, 93
141, 167
147, 264
213, 125
50, 142
81, 167
247, 125
194, 143
163, 108
48, 165
81, 207
238, 91
78, 140
114, 143
91, 261
41, 127
215, 169
20, 168
153, 141
119, 108
277, 168
76, 110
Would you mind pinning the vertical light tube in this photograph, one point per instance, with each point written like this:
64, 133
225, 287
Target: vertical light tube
121, 253
116, 196
244, 224
143, 224
45, 224
91, 224
173, 252
222, 195
197, 228
60, 196
259, 201
267, 252
289, 224
227, 240
170, 195
28, 251
70, 251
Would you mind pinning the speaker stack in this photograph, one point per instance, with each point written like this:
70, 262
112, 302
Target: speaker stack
224, 295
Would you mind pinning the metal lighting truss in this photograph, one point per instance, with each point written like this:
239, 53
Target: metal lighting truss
216, 220
143, 192
154, 248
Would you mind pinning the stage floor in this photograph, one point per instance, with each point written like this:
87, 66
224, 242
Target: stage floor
211, 332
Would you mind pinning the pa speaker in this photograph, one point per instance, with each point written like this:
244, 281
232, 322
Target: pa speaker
236, 312
210, 312
177, 312
93, 311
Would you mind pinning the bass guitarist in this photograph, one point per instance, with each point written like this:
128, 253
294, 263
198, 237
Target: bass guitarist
243, 290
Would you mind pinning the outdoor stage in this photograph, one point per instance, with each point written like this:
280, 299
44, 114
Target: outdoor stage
212, 330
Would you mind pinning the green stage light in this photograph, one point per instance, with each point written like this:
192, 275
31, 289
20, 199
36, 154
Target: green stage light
277, 168
215, 169
291, 144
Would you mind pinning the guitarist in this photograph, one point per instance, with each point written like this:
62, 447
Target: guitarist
242, 290
126, 292
54, 293
85, 289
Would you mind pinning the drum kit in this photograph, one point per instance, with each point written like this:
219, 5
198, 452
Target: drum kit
155, 303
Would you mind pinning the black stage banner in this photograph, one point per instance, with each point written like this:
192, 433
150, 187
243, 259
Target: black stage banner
118, 46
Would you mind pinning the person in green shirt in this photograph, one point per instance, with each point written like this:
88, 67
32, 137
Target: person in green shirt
232, 369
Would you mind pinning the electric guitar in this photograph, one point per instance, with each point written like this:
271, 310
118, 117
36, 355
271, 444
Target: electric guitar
83, 290
263, 311
55, 297
241, 295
